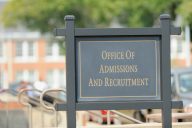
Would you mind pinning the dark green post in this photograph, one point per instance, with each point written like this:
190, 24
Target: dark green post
165, 70
70, 70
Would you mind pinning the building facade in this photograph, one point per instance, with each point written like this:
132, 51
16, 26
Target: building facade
24, 57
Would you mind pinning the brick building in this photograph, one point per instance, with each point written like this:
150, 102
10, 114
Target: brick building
30, 59
27, 55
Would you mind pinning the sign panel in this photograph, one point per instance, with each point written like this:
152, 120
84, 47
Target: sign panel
118, 69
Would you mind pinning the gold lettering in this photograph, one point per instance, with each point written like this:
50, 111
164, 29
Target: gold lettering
134, 82
114, 82
127, 68
146, 80
138, 81
133, 54
142, 81
111, 82
124, 68
121, 68
122, 82
122, 57
131, 68
118, 70
111, 69
135, 68
117, 55
100, 82
118, 82
129, 54
90, 82
95, 82
112, 55
106, 67
129, 81
108, 55
106, 81
101, 69
105, 55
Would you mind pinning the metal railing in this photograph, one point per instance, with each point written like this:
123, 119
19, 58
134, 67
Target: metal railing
122, 115
51, 108
30, 106
44, 104
7, 112
7, 105
29, 99
102, 116
34, 101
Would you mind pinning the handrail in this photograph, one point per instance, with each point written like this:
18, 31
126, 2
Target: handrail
50, 96
32, 100
36, 103
7, 112
10, 89
102, 116
51, 108
26, 104
122, 115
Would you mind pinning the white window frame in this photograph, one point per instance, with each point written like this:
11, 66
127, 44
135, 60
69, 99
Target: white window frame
174, 49
56, 78
55, 57
25, 75
25, 58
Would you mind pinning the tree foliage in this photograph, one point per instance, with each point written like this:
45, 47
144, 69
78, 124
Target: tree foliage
185, 10
44, 15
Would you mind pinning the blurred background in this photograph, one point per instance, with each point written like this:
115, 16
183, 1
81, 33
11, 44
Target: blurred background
31, 56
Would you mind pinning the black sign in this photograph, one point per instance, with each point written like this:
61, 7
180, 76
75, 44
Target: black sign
118, 65
125, 68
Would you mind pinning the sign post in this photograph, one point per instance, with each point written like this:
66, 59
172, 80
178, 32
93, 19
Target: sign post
118, 68
166, 71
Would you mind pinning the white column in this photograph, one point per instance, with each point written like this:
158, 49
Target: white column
10, 66
4, 83
188, 50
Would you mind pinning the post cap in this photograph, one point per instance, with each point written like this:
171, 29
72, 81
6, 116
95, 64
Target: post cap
54, 32
69, 17
164, 16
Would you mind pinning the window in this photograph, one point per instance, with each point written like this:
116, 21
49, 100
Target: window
49, 51
18, 49
62, 78
26, 52
30, 49
179, 46
49, 78
53, 49
31, 77
185, 82
173, 88
19, 76
1, 49
56, 78
54, 53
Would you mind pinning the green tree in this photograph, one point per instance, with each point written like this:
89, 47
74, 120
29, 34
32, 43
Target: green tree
142, 13
44, 15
